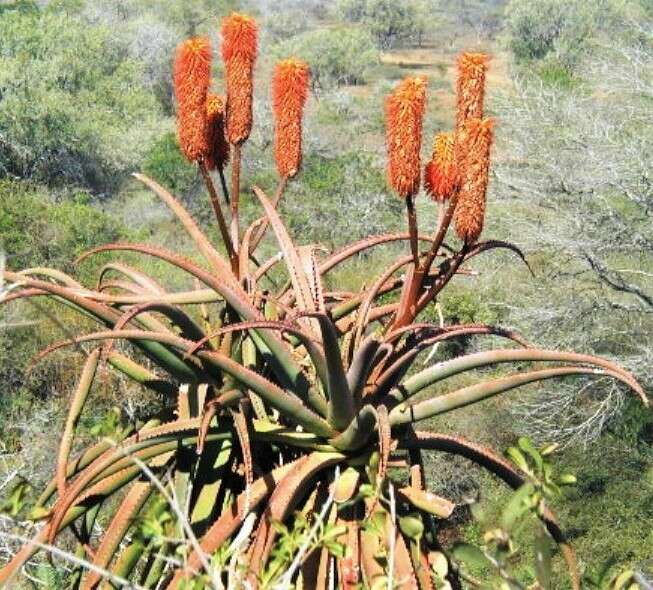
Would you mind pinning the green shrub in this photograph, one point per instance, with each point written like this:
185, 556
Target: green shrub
550, 27
73, 108
166, 163
343, 55
391, 23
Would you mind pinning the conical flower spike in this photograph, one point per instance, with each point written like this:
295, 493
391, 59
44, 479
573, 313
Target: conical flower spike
404, 111
219, 147
289, 94
239, 47
473, 160
440, 173
192, 72
470, 87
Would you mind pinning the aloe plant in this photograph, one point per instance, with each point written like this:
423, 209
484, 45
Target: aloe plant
289, 404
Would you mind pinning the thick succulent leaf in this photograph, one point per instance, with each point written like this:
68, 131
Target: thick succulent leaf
74, 412
283, 500
140, 278
341, 403
352, 249
300, 281
273, 349
286, 402
229, 521
156, 351
440, 371
114, 534
204, 245
361, 367
406, 412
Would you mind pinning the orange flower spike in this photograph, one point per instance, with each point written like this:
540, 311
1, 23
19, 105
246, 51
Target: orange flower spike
239, 48
470, 87
289, 94
441, 173
192, 72
473, 157
219, 153
404, 110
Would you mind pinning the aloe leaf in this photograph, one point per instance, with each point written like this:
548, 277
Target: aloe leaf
352, 249
76, 406
204, 245
140, 278
273, 350
405, 413
341, 404
440, 371
361, 367
124, 518
300, 281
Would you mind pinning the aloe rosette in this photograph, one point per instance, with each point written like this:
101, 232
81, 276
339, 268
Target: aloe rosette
288, 402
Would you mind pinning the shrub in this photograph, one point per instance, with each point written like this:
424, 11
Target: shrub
553, 28
391, 23
343, 55
73, 109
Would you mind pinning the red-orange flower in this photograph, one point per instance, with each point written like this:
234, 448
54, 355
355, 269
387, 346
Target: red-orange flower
440, 173
239, 47
218, 156
473, 160
404, 110
192, 72
470, 87
289, 94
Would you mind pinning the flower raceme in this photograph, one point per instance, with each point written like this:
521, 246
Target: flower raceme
470, 87
404, 110
441, 173
239, 48
472, 148
289, 94
218, 155
192, 72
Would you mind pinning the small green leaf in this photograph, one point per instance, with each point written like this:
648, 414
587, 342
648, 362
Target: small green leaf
411, 526
470, 555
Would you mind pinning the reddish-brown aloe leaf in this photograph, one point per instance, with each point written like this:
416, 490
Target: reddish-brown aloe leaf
230, 520
352, 249
288, 372
300, 281
76, 406
140, 278
204, 245
283, 500
117, 529
284, 401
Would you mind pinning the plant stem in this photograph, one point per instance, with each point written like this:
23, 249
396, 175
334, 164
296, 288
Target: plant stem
217, 209
412, 229
235, 197
223, 182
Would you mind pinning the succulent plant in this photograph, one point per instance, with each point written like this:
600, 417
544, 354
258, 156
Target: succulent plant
288, 405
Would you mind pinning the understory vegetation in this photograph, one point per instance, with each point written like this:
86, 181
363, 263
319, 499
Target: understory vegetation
87, 98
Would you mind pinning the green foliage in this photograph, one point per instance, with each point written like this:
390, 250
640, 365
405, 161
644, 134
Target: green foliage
556, 28
37, 228
343, 55
391, 23
167, 164
73, 109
